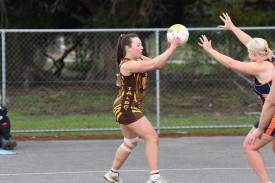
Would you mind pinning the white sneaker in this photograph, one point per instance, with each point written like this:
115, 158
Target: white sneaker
158, 180
108, 176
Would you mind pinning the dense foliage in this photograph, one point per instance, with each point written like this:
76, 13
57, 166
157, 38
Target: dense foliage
132, 13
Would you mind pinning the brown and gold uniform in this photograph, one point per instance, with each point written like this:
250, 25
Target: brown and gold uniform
131, 94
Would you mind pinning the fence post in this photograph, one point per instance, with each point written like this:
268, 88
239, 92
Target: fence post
3, 68
157, 85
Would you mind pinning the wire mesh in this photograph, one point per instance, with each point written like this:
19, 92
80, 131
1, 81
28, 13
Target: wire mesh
64, 80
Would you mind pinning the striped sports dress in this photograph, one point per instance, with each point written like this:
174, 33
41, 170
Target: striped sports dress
130, 98
262, 91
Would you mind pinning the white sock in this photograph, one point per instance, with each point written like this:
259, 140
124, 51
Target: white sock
154, 175
114, 172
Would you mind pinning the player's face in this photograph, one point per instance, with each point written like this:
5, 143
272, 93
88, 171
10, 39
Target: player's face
137, 48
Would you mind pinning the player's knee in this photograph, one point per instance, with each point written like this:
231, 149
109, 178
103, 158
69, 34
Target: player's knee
248, 148
153, 139
129, 144
245, 147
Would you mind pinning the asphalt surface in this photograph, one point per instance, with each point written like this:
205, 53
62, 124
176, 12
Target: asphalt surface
218, 159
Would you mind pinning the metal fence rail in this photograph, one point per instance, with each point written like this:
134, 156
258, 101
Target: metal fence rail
60, 73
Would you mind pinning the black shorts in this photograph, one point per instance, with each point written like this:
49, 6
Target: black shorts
270, 129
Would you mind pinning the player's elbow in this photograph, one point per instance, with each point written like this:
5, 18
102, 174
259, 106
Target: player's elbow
230, 65
157, 66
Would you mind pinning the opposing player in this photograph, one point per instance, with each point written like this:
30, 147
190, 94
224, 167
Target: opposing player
267, 115
132, 66
263, 69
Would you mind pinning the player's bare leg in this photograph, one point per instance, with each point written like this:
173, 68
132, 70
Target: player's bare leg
255, 158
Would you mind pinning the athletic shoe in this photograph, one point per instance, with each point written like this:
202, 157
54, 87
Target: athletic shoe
158, 180
5, 144
108, 176
13, 143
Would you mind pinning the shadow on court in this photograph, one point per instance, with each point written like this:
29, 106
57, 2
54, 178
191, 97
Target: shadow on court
218, 159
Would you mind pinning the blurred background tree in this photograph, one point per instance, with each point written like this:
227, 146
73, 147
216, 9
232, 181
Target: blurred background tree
72, 14
132, 13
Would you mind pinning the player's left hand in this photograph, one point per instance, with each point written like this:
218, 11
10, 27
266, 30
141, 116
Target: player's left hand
227, 21
255, 134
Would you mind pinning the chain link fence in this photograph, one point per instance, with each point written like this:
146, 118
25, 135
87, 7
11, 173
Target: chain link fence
64, 80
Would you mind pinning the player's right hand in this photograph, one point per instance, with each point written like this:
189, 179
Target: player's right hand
175, 43
205, 43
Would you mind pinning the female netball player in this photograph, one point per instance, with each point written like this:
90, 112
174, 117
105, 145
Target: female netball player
263, 69
132, 66
268, 112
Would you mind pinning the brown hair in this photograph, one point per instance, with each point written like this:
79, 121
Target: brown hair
123, 40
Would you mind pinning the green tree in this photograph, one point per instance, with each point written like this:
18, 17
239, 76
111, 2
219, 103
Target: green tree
245, 12
56, 14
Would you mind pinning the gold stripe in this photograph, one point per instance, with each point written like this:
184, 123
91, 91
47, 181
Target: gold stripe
117, 99
119, 105
184, 41
154, 173
116, 109
135, 96
118, 115
114, 171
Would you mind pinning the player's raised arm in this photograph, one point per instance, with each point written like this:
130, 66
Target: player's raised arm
251, 68
242, 36
156, 63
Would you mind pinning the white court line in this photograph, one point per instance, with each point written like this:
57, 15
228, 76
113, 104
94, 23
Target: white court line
104, 171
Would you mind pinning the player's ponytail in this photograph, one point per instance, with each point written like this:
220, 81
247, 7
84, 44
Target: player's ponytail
119, 51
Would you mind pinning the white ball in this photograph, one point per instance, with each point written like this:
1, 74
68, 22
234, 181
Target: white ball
180, 31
